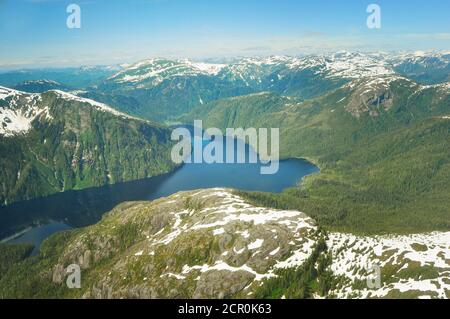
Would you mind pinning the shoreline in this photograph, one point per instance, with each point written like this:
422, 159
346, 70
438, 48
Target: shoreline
16, 235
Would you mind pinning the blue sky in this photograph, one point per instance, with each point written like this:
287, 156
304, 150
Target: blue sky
33, 33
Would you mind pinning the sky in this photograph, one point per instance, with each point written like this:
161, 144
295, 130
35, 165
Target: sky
34, 33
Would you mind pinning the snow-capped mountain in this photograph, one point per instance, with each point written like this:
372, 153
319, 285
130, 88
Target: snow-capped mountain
380, 135
256, 70
260, 71
426, 59
425, 67
378, 94
40, 86
353, 65
155, 71
344, 65
56, 141
162, 89
19, 109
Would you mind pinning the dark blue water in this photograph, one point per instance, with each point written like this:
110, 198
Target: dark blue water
81, 208
38, 234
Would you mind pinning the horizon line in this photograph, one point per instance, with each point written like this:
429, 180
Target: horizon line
28, 66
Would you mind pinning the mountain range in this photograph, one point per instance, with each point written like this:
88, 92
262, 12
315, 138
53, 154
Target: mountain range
359, 135
55, 141
161, 89
376, 124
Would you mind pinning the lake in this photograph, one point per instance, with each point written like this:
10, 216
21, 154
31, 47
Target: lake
45, 216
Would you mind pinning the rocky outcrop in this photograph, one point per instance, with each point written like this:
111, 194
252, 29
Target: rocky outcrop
372, 96
213, 244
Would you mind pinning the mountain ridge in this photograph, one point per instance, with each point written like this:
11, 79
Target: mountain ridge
380, 148
56, 141
214, 244
186, 86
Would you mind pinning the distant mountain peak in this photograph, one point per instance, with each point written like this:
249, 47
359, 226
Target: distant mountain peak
157, 70
43, 81
19, 109
99, 106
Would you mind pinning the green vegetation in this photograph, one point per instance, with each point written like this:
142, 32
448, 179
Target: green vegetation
193, 204
309, 279
31, 277
388, 173
11, 255
139, 250
80, 147
104, 249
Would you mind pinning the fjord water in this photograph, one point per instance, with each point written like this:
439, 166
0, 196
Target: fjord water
71, 209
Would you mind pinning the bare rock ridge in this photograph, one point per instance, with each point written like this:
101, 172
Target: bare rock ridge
214, 244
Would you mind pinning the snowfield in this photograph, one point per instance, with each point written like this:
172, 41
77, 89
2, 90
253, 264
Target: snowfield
99, 106
267, 239
404, 256
18, 109
253, 70
157, 70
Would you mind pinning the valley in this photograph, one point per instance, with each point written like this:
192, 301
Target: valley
56, 141
94, 155
81, 208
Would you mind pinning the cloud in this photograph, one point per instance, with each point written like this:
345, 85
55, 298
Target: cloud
257, 48
429, 36
442, 36
315, 34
